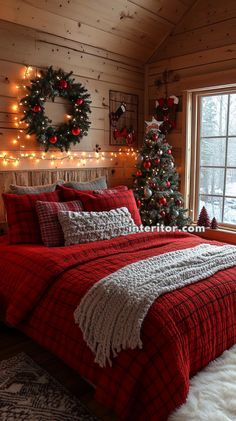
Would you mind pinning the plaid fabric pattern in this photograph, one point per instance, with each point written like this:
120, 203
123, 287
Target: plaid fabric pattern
183, 331
22, 217
106, 202
73, 194
50, 227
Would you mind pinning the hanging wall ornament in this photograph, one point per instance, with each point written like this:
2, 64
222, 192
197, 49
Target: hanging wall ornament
166, 110
49, 85
114, 116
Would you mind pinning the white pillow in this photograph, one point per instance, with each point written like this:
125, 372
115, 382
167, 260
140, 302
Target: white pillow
85, 227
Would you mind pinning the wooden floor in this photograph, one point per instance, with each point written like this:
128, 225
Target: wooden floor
12, 342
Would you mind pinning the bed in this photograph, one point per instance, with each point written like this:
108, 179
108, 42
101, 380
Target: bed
184, 330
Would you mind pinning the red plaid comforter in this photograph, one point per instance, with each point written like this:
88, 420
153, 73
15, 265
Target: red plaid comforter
184, 329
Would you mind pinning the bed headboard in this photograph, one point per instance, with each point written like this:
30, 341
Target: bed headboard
39, 177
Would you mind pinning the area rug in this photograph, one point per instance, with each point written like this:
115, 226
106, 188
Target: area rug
212, 394
29, 393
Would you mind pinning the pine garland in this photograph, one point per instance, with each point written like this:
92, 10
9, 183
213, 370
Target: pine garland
52, 84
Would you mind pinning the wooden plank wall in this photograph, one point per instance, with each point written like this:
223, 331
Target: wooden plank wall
200, 53
99, 70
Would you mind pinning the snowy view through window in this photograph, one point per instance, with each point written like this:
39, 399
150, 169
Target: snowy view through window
217, 181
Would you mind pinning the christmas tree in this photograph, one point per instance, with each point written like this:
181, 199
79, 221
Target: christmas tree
156, 183
203, 219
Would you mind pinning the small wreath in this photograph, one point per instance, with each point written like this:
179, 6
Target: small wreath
52, 84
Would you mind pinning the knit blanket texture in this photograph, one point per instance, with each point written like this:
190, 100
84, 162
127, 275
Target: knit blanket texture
112, 312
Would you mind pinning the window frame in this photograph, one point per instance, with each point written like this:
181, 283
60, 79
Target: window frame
192, 158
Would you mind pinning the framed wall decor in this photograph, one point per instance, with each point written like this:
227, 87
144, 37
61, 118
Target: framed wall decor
123, 119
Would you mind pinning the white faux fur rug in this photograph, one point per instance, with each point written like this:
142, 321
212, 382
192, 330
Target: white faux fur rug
212, 395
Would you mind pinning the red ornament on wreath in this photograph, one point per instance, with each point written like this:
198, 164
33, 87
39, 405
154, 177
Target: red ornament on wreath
79, 101
36, 109
63, 84
53, 139
76, 131
139, 173
147, 164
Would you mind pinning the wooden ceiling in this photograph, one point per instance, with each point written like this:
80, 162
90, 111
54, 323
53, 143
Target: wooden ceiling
131, 28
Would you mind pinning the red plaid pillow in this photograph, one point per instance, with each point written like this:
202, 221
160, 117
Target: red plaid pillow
22, 217
106, 202
73, 194
51, 231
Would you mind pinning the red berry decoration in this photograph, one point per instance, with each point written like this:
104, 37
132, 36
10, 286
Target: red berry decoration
76, 131
169, 151
147, 164
36, 109
157, 161
63, 84
53, 139
168, 184
155, 136
139, 173
79, 101
162, 201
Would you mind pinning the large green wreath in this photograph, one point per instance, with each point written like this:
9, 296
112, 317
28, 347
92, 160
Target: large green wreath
51, 84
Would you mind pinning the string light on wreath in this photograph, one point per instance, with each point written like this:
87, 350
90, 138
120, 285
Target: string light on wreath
47, 86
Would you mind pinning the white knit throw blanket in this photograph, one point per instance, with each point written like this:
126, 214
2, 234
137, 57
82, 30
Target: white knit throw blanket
111, 313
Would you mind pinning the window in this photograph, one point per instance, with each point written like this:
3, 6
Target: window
213, 179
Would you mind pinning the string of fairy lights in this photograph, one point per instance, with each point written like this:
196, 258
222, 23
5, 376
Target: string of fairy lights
79, 159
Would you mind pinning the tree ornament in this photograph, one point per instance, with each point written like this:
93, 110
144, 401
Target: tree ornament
175, 213
178, 202
139, 203
63, 84
157, 161
139, 173
79, 101
36, 109
169, 152
51, 84
140, 160
147, 164
214, 224
53, 139
168, 184
154, 136
160, 152
162, 201
76, 131
147, 193
162, 214
203, 219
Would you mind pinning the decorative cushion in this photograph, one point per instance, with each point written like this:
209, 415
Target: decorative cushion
51, 231
46, 188
73, 194
85, 227
97, 184
22, 217
106, 202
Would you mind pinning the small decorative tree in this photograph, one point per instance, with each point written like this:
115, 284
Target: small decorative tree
214, 224
203, 219
156, 182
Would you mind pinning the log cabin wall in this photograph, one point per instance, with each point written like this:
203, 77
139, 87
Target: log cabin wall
200, 53
105, 43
